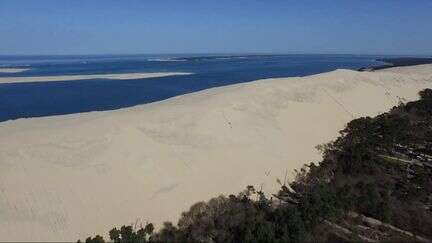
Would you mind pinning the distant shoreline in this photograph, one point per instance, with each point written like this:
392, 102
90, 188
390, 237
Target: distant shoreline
398, 62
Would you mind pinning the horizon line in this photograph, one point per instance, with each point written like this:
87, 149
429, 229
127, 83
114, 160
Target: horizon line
215, 53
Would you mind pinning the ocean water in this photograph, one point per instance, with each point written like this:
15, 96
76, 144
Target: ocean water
22, 100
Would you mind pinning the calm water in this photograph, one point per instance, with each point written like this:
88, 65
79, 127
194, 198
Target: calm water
54, 98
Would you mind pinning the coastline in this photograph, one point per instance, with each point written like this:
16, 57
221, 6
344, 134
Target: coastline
176, 152
398, 62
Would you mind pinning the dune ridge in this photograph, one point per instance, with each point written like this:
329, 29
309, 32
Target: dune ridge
67, 177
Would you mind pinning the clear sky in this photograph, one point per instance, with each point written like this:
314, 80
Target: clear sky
219, 26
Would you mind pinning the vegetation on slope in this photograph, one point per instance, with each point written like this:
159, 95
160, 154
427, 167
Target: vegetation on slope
373, 184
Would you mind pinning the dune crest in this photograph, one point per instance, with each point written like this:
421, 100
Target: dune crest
67, 177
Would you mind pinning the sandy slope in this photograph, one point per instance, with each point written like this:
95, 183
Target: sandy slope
121, 76
66, 177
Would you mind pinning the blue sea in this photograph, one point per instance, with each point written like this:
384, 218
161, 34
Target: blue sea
36, 99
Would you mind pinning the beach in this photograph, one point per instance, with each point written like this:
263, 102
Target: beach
70, 176
121, 76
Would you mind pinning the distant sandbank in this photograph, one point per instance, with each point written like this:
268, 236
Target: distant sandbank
122, 76
13, 70
63, 178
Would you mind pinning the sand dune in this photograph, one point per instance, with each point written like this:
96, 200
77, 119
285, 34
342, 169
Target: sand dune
121, 76
65, 177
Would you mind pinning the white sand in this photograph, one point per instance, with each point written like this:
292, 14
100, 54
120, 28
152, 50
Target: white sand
13, 70
66, 177
122, 76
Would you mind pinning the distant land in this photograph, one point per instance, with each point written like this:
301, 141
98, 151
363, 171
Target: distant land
398, 62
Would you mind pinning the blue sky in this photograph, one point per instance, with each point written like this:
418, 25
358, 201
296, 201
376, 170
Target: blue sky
222, 26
